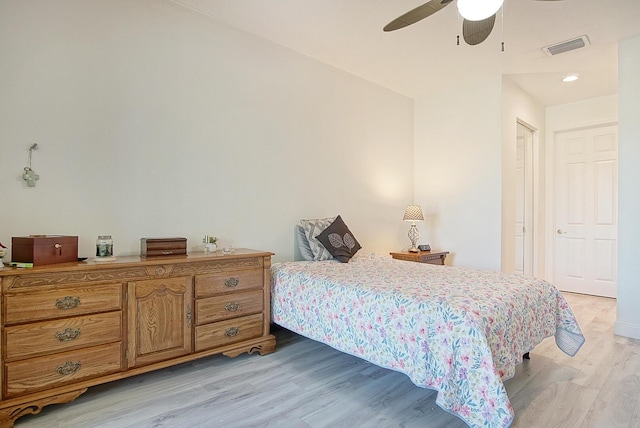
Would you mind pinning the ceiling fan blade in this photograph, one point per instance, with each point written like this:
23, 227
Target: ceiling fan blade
475, 32
417, 14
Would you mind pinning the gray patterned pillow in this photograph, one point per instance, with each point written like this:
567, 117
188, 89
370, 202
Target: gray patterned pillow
312, 228
303, 244
339, 241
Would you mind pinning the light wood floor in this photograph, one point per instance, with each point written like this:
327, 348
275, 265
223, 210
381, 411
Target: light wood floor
307, 384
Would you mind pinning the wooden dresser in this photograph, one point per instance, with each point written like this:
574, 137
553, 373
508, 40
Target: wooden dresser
71, 326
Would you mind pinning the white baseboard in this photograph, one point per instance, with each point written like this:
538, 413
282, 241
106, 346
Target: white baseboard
627, 330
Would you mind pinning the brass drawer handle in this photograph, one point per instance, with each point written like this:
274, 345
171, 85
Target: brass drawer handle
68, 368
232, 306
68, 334
67, 302
231, 331
231, 282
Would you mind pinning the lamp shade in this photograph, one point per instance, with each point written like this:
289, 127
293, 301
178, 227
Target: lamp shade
413, 213
477, 10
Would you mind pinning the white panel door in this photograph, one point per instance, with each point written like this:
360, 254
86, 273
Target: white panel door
586, 194
524, 201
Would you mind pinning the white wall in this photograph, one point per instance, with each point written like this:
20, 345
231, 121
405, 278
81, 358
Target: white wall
594, 111
465, 171
156, 121
628, 315
517, 105
458, 172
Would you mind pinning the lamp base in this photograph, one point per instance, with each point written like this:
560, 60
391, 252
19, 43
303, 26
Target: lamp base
413, 237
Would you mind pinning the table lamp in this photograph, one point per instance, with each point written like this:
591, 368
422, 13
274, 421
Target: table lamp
413, 213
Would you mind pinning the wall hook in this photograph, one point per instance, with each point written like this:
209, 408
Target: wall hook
29, 175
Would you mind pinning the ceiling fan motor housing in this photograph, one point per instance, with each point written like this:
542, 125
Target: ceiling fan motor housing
474, 10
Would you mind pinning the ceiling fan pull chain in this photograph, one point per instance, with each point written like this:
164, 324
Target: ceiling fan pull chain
502, 29
458, 28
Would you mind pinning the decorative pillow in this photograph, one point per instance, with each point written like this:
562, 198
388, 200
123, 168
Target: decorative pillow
303, 244
313, 227
339, 241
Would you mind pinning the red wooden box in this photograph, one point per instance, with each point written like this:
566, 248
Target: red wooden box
44, 249
163, 247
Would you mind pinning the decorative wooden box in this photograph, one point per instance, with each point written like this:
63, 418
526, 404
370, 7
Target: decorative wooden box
44, 249
163, 247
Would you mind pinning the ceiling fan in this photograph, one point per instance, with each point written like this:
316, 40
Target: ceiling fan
479, 16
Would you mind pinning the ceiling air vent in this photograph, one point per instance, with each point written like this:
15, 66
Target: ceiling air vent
569, 45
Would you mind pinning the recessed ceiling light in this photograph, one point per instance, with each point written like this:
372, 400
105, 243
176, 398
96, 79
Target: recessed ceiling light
571, 78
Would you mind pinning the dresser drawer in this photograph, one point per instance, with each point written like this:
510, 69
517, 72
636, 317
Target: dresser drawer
62, 302
47, 337
208, 285
54, 370
227, 306
226, 332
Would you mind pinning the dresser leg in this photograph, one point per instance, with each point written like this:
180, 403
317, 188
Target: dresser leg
266, 346
9, 415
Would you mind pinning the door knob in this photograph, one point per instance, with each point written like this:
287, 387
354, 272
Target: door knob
560, 232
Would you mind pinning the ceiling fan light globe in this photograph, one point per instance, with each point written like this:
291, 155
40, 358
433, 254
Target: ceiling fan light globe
477, 10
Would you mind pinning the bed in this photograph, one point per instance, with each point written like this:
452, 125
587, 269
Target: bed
458, 331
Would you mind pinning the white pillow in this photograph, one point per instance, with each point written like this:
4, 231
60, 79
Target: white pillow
303, 244
312, 228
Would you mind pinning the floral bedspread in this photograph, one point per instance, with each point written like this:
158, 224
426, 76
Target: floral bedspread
458, 331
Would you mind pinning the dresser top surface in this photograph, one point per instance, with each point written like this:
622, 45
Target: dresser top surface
126, 261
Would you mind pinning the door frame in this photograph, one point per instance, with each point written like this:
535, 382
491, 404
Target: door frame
550, 196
